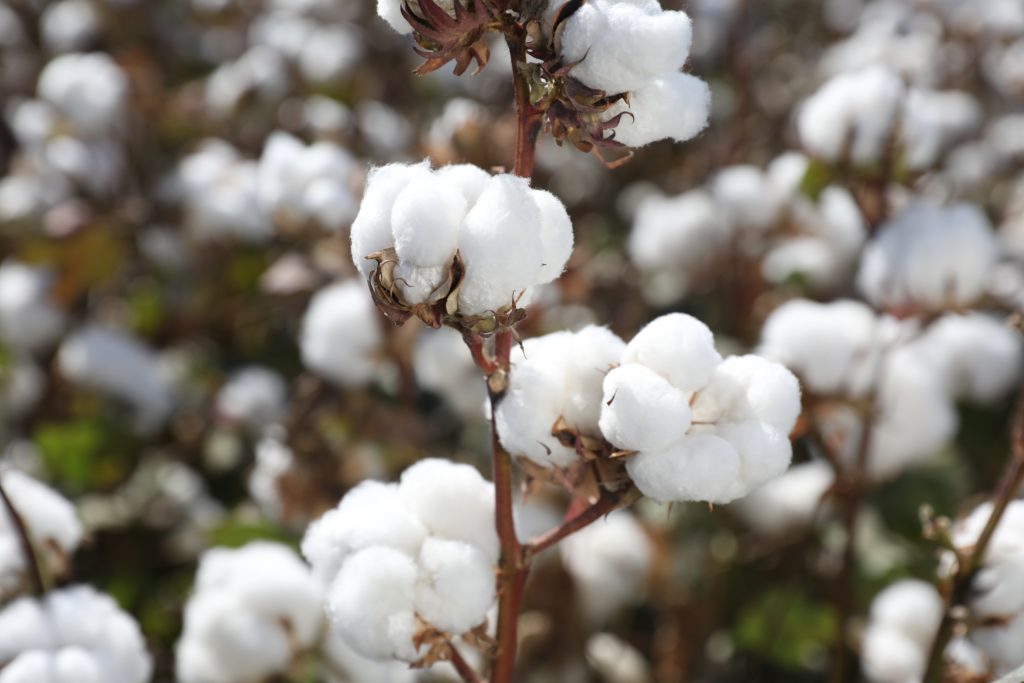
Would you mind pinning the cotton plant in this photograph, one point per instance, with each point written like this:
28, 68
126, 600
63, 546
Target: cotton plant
254, 397
46, 640
341, 335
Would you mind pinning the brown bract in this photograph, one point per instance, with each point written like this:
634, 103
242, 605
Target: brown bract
441, 37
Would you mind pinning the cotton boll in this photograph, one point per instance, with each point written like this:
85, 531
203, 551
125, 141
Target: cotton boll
749, 387
501, 245
391, 12
929, 257
341, 334
114, 363
444, 365
89, 90
355, 667
590, 354
69, 25
932, 121
747, 197
674, 106
642, 411
456, 585
425, 221
371, 603
888, 656
616, 660
764, 453
254, 396
416, 284
273, 460
833, 347
698, 467
998, 589
621, 46
371, 514
609, 561
371, 229
903, 622
978, 357
29, 319
46, 640
789, 501
858, 109
470, 179
678, 347
452, 501
1001, 644
555, 234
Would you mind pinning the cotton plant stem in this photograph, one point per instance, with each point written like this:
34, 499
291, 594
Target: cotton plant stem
39, 583
462, 667
969, 563
528, 120
607, 503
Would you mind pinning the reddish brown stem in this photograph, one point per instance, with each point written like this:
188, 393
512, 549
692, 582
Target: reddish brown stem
607, 503
970, 562
528, 120
462, 667
35, 571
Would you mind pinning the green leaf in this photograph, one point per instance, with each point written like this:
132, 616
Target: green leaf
816, 178
787, 627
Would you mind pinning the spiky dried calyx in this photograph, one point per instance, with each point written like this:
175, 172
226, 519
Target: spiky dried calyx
442, 37
441, 307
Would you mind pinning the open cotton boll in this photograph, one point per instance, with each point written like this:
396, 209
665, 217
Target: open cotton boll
555, 234
116, 364
999, 586
621, 46
254, 396
50, 520
371, 603
456, 585
30, 320
833, 347
609, 560
371, 229
452, 501
745, 388
254, 609
425, 221
929, 257
764, 452
1001, 645
903, 621
678, 347
46, 640
642, 411
69, 25
555, 376
673, 106
352, 666
615, 660
371, 514
341, 334
501, 245
697, 467
852, 113
789, 501
89, 91
977, 356
933, 120
747, 196
444, 365
470, 179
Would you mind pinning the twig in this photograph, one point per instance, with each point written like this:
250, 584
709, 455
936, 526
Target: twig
39, 582
607, 503
969, 563
528, 120
462, 667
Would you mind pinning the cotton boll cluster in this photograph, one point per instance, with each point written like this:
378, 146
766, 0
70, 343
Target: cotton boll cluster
413, 221
299, 183
636, 48
929, 258
119, 365
253, 610
790, 501
47, 640
51, 524
394, 557
322, 51
701, 428
610, 561
30, 319
555, 382
219, 191
254, 397
903, 623
443, 365
341, 334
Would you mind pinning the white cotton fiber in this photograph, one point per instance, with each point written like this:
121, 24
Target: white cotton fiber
470, 180
371, 603
674, 106
641, 410
341, 335
456, 585
764, 452
789, 501
425, 220
371, 229
678, 347
555, 233
744, 388
698, 467
452, 501
30, 319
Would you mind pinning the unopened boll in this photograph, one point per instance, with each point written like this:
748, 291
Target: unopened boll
555, 377
510, 237
49, 519
701, 428
929, 258
393, 556
341, 334
254, 609
71, 635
